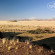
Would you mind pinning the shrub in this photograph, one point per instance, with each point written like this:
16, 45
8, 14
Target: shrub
31, 31
9, 48
4, 40
13, 21
30, 46
48, 30
38, 36
27, 41
39, 31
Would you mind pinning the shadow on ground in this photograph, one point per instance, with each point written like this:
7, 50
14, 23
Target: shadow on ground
48, 43
14, 35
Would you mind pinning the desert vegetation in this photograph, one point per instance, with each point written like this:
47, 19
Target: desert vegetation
13, 20
20, 48
39, 31
19, 39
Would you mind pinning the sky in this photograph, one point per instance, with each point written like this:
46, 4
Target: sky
27, 9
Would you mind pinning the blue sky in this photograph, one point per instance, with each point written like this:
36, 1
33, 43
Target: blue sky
26, 9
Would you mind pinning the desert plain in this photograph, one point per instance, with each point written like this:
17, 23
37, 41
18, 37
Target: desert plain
16, 38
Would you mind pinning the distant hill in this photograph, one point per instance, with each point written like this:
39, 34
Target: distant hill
53, 19
46, 19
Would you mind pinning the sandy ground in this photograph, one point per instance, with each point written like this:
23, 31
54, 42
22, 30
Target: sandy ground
23, 48
26, 25
30, 23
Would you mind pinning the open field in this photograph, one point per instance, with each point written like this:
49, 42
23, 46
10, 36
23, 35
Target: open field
20, 30
29, 23
26, 25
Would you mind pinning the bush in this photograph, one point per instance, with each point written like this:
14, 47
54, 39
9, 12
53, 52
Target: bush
39, 31
13, 21
48, 30
31, 31
38, 36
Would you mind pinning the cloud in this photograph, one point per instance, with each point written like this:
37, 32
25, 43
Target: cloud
52, 5
32, 18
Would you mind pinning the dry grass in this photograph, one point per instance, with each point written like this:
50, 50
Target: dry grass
22, 49
23, 26
26, 25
